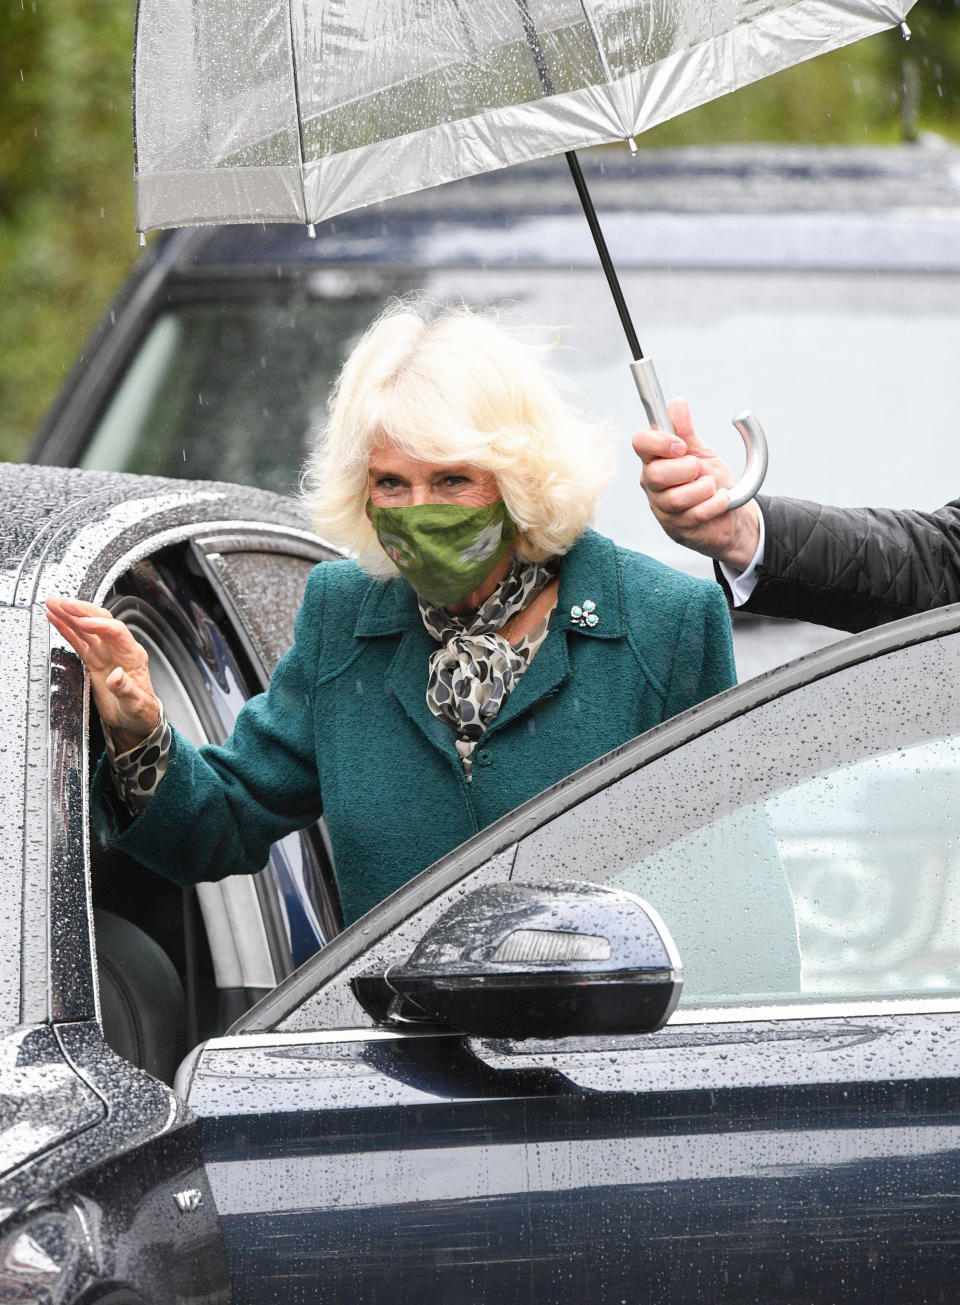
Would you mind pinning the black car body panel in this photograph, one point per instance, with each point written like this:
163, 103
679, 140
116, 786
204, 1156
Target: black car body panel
790, 1135
744, 1163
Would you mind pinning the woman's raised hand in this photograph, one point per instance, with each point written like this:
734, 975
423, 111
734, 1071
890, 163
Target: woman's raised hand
117, 666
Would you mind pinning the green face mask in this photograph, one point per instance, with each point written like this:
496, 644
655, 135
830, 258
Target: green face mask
443, 549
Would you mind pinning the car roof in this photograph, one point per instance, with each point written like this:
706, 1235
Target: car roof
718, 208
722, 206
65, 529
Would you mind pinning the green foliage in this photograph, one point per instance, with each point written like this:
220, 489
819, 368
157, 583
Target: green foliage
854, 96
934, 53
66, 160
66, 201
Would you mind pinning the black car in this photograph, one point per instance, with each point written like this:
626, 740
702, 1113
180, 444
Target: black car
470, 1094
817, 287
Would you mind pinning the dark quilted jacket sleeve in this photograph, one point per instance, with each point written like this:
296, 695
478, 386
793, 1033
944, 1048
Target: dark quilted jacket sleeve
852, 568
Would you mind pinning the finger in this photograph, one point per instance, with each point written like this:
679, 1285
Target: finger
57, 607
664, 473
109, 631
685, 497
650, 444
679, 411
125, 689
710, 508
75, 606
76, 641
101, 642
130, 696
73, 613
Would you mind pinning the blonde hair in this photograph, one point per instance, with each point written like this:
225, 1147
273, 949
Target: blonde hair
456, 388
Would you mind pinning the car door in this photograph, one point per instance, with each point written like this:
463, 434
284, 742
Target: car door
102, 1190
215, 613
103, 1194
791, 1135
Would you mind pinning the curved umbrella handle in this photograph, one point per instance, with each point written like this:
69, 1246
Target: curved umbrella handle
751, 432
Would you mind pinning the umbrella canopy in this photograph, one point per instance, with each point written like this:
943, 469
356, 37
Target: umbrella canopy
295, 110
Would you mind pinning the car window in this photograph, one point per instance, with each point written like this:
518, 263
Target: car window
228, 391
803, 853
872, 857
808, 851
266, 590
261, 579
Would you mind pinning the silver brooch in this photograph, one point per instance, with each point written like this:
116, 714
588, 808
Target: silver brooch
584, 614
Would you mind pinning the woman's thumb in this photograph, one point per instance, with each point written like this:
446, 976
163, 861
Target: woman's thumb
118, 682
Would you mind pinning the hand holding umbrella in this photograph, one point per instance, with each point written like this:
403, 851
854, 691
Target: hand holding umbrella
689, 487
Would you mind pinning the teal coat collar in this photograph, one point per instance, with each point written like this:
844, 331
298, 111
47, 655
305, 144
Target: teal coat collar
589, 570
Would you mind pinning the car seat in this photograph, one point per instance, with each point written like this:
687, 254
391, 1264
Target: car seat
142, 1002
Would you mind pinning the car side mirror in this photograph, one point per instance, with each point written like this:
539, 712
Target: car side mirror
513, 961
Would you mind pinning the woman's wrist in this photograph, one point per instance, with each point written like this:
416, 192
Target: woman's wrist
125, 740
137, 772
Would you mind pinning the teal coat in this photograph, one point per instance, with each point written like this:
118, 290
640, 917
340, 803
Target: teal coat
345, 716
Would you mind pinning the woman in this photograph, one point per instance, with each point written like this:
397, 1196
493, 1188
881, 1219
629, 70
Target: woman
483, 645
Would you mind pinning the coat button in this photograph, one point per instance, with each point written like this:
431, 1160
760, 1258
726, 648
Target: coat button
483, 757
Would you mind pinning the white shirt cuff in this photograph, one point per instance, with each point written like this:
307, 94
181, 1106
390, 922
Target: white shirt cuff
743, 583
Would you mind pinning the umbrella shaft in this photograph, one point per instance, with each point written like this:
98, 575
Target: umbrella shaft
606, 262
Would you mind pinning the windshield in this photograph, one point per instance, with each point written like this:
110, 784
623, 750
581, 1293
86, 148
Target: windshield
839, 367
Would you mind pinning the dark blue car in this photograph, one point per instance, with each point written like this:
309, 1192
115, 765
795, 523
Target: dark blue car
470, 1095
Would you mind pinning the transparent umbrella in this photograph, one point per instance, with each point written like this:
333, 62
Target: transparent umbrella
296, 110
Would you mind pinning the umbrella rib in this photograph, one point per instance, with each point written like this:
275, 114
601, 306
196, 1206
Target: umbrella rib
301, 148
534, 46
580, 181
594, 28
595, 33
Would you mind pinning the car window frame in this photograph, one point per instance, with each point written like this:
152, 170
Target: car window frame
302, 545
77, 990
505, 834
206, 544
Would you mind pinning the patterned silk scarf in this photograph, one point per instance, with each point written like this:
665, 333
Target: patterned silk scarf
475, 669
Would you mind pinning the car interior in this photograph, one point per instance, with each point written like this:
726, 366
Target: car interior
181, 964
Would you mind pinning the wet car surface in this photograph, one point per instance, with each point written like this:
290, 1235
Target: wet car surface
817, 287
792, 1127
